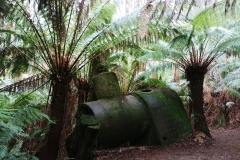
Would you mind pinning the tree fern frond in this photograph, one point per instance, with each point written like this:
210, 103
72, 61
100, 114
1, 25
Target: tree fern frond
20, 65
29, 83
180, 42
105, 15
215, 15
121, 29
154, 69
159, 52
14, 123
234, 83
235, 27
9, 33
4, 101
114, 58
230, 45
84, 29
5, 114
233, 92
8, 132
19, 50
30, 115
16, 148
232, 79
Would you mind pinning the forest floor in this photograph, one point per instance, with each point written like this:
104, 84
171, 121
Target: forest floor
225, 145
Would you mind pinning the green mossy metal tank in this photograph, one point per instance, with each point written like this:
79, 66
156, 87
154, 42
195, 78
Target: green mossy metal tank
168, 119
121, 120
147, 117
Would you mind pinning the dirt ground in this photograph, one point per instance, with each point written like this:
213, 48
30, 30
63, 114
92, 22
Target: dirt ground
225, 145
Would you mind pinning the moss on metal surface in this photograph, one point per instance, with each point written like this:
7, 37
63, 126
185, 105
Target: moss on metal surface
90, 121
167, 113
106, 85
149, 117
122, 120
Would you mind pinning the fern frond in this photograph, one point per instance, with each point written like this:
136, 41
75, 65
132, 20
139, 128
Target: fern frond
230, 45
233, 92
14, 121
154, 69
158, 52
215, 15
6, 114
29, 83
30, 115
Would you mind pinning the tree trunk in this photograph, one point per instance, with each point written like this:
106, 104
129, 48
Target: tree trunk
195, 76
176, 75
58, 108
67, 123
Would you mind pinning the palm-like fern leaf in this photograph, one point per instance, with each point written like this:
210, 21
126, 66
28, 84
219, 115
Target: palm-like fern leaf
31, 83
217, 15
13, 122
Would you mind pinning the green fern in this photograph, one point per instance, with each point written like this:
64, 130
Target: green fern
216, 15
233, 92
154, 69
14, 121
226, 77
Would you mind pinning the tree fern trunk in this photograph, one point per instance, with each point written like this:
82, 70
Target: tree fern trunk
58, 108
195, 76
67, 123
176, 75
